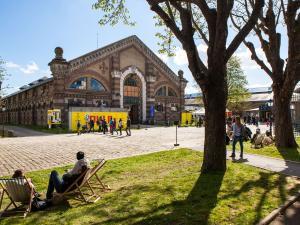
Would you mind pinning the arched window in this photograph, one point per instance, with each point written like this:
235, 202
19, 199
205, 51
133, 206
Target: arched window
162, 91
79, 84
96, 85
130, 81
171, 92
131, 87
87, 83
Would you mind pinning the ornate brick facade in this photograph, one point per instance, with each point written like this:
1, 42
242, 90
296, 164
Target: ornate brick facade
97, 79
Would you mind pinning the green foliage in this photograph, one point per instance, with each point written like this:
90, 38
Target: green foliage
236, 81
113, 12
167, 188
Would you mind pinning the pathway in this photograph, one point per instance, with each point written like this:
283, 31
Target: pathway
24, 132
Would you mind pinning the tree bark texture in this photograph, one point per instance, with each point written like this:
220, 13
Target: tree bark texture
284, 135
215, 106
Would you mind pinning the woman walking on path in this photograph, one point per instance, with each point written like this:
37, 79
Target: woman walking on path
115, 127
238, 136
120, 125
128, 124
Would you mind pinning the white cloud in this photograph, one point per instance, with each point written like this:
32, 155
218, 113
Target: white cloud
180, 57
30, 68
163, 57
202, 48
256, 85
12, 65
192, 88
247, 62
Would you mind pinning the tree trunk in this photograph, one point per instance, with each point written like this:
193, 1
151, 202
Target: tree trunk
284, 135
215, 105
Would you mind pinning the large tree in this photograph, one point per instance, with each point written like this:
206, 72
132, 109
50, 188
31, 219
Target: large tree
182, 18
284, 73
236, 81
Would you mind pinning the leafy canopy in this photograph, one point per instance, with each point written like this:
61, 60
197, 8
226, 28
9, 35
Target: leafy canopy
236, 81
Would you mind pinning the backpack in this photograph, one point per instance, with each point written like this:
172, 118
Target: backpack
38, 204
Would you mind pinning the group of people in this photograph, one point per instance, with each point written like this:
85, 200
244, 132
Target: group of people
56, 183
198, 121
251, 120
103, 125
238, 133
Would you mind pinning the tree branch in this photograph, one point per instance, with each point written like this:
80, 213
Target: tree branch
245, 30
255, 57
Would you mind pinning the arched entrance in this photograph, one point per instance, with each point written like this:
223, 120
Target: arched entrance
132, 98
133, 94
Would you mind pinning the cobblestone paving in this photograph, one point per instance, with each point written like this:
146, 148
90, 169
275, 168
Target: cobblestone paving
40, 152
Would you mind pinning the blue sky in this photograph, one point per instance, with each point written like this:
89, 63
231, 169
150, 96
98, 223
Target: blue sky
31, 29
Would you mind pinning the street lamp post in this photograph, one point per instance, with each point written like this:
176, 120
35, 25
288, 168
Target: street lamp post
3, 111
270, 104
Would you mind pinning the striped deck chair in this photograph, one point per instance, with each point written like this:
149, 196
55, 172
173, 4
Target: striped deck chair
19, 193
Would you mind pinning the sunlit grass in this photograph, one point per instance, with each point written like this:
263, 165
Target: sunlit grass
168, 188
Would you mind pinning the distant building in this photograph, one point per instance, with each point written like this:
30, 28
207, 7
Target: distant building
125, 74
258, 104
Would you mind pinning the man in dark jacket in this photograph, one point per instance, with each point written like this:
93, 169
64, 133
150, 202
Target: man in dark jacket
128, 124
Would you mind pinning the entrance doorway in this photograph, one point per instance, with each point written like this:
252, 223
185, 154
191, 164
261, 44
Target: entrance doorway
133, 97
134, 114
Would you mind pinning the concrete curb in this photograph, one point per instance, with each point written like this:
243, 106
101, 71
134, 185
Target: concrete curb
269, 218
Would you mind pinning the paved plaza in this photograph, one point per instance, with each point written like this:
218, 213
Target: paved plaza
40, 152
34, 150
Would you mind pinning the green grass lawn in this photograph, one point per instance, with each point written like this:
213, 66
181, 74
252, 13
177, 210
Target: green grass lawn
272, 151
167, 188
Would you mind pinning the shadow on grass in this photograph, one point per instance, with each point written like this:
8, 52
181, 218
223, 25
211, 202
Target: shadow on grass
195, 209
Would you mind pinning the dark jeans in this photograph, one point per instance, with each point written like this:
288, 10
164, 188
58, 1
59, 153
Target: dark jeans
128, 131
120, 130
235, 140
55, 182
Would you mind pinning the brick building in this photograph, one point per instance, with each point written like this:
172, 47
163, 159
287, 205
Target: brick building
124, 74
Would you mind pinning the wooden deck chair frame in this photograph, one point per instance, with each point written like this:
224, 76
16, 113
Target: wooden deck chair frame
77, 189
26, 210
95, 185
84, 181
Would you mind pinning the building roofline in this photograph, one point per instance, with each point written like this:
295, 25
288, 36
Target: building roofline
96, 54
39, 83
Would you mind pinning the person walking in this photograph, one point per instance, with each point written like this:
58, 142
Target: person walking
78, 127
104, 125
238, 136
92, 125
115, 126
128, 124
120, 125
111, 126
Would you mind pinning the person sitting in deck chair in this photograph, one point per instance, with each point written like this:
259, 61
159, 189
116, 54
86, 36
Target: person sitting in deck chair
60, 185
